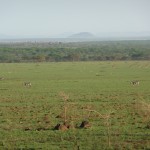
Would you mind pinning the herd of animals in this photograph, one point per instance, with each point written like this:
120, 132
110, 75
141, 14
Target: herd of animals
28, 84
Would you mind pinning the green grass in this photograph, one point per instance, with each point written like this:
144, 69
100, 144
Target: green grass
103, 87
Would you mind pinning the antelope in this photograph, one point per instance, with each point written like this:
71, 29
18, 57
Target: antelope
135, 82
27, 84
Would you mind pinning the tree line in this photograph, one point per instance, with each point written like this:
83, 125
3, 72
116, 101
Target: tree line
75, 51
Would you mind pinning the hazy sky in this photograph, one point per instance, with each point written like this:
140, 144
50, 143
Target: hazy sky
52, 17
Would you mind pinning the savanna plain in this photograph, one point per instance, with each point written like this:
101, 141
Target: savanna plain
75, 105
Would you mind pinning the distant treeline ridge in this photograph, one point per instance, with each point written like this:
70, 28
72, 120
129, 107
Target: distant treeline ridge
79, 51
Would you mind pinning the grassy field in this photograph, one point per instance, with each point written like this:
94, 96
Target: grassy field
100, 93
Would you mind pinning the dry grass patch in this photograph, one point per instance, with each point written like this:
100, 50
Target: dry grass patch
143, 110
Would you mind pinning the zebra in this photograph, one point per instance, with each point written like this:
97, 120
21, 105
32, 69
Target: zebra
27, 84
135, 82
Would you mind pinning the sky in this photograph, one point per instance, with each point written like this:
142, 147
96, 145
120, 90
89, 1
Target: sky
47, 18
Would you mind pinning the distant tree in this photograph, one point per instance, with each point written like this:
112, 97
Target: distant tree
75, 51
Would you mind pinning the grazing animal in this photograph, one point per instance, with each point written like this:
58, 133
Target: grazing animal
135, 82
27, 84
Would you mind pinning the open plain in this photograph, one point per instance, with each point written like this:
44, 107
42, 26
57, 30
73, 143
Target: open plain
99, 93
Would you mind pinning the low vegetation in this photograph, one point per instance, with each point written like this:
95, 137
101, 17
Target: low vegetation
75, 105
77, 51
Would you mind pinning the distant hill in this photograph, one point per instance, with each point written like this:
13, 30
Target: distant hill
82, 35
